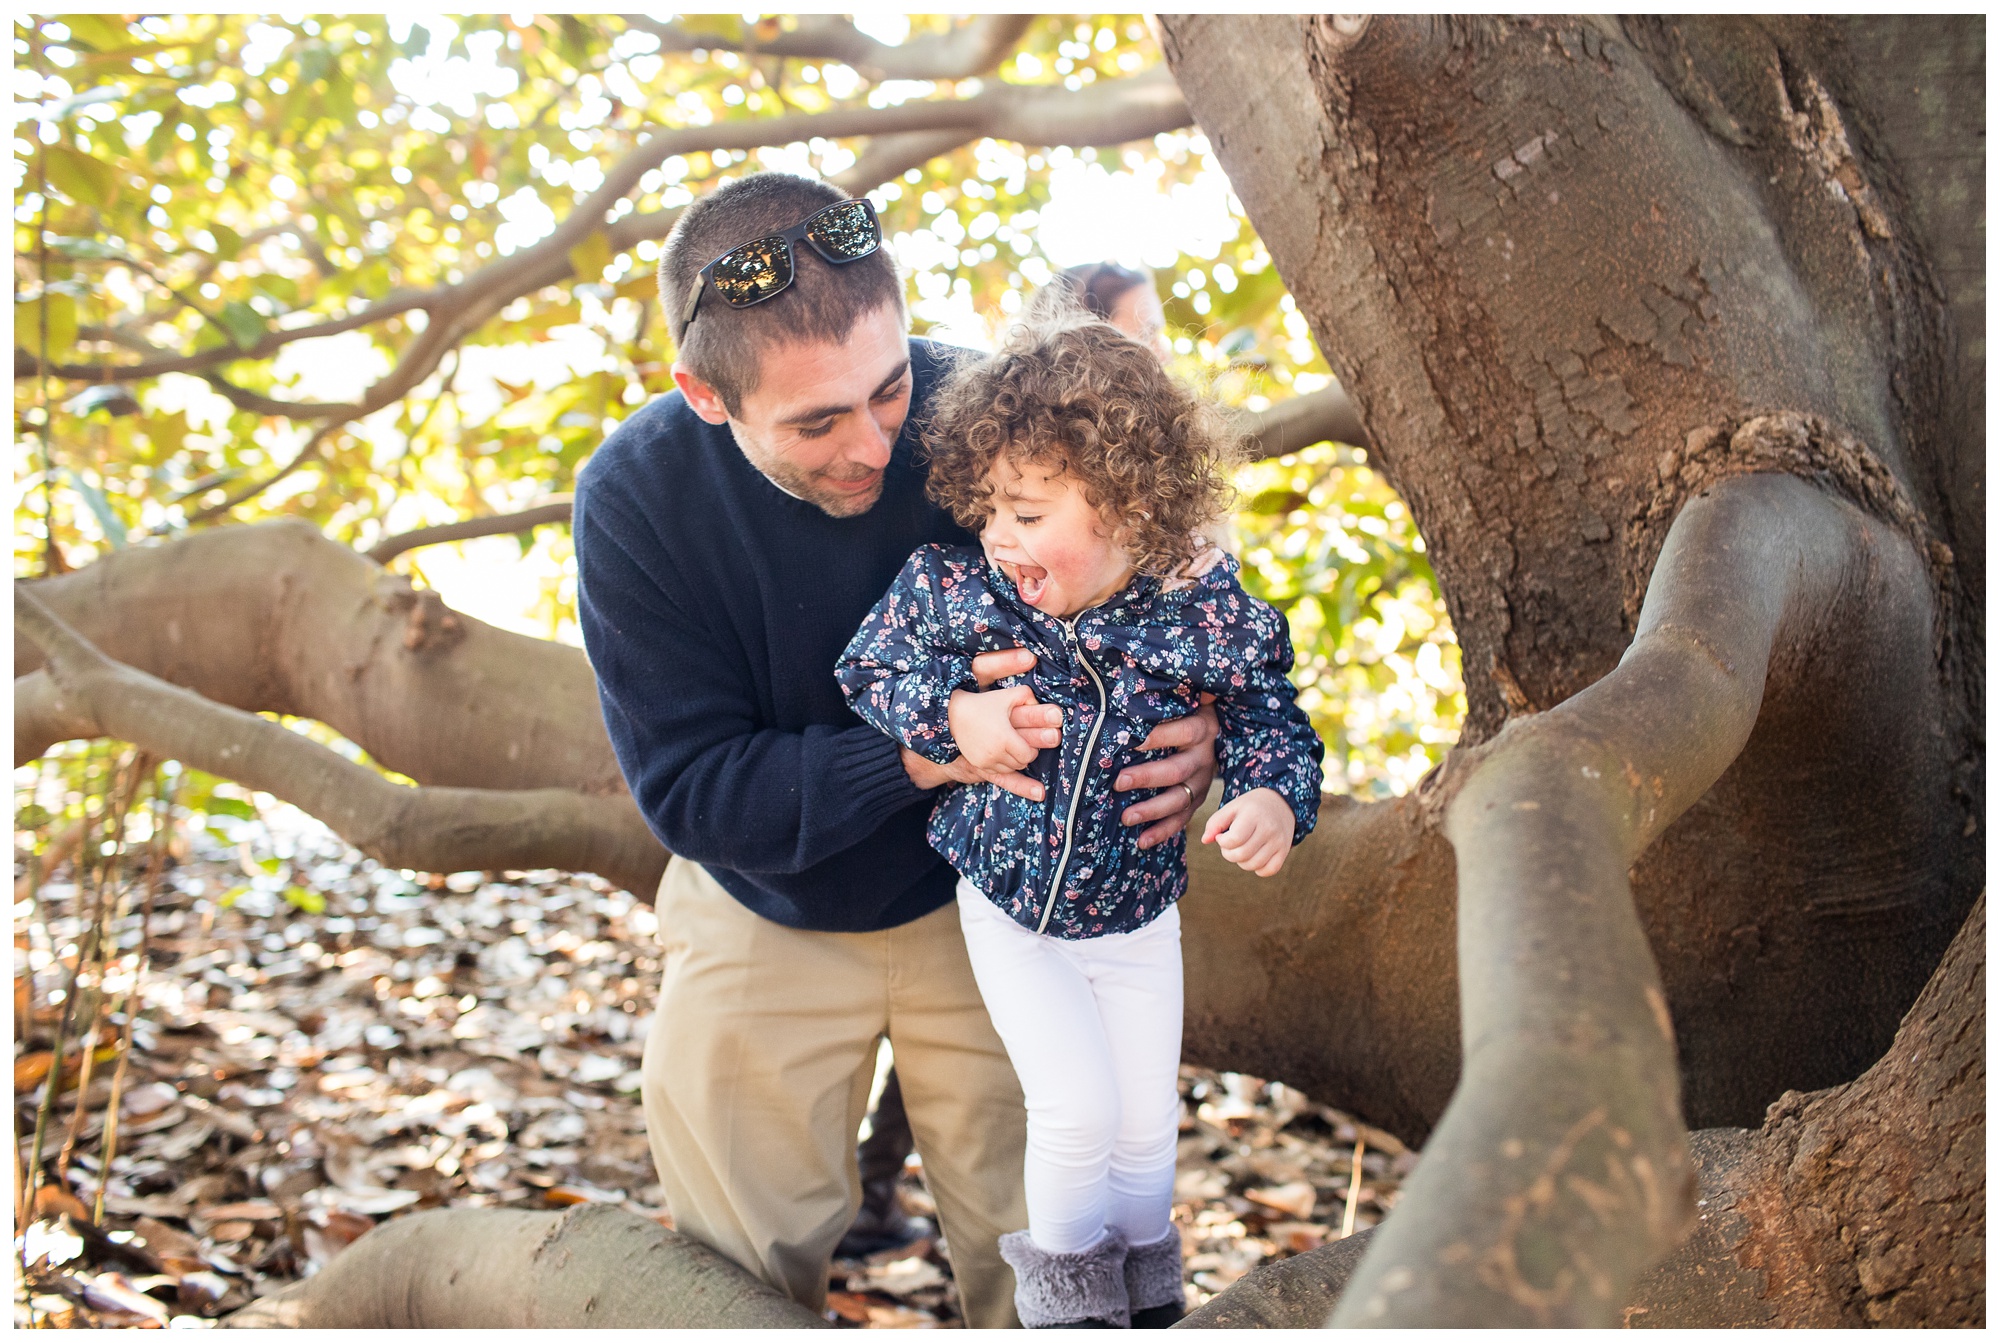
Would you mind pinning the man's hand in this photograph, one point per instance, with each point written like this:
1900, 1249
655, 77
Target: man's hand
1036, 726
1192, 766
1254, 831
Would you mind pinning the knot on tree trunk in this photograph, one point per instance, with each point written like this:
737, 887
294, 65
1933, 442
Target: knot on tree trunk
429, 626
1788, 442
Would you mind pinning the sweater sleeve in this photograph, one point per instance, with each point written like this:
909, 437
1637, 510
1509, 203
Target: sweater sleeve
1266, 740
900, 671
713, 785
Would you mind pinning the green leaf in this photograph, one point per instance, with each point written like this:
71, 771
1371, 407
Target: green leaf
244, 323
228, 242
312, 902
88, 249
68, 107
270, 866
230, 806
107, 517
32, 817
231, 897
114, 397
80, 177
100, 32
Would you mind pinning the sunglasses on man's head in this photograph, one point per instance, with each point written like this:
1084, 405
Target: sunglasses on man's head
748, 274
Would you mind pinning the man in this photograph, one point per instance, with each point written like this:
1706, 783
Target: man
730, 537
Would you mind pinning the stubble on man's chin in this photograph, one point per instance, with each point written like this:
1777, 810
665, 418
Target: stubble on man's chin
844, 505
804, 485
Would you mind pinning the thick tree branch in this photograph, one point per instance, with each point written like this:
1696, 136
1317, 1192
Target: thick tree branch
890, 156
430, 829
491, 1268
1778, 1243
277, 618
554, 509
1560, 1170
971, 48
1301, 421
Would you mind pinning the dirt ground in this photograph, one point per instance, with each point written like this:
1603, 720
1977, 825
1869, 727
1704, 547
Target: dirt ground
323, 1045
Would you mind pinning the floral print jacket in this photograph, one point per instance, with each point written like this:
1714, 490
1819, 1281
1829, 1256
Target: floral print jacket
1065, 866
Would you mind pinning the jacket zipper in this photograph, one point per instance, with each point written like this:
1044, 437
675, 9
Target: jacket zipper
1083, 768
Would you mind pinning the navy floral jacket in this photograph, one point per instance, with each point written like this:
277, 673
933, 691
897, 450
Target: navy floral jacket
1065, 866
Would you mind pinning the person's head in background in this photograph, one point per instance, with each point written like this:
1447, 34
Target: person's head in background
1125, 298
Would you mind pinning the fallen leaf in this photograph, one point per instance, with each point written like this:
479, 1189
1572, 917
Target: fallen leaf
173, 1249
53, 1200
254, 1210
200, 1290
1298, 1237
30, 1069
1295, 1200
113, 1291
901, 1277
148, 1099
568, 1195
371, 1202
229, 1233
848, 1306
900, 1317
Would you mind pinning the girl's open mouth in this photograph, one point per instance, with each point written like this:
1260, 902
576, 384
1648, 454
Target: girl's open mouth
1032, 582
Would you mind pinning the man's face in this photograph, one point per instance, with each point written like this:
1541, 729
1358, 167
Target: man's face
825, 415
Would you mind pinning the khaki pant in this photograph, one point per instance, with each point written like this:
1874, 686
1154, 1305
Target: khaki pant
757, 1074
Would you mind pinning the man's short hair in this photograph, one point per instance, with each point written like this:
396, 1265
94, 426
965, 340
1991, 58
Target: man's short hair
724, 346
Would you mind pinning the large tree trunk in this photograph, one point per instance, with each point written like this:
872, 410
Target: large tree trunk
1576, 274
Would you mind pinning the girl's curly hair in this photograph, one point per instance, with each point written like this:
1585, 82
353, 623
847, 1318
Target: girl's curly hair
1072, 392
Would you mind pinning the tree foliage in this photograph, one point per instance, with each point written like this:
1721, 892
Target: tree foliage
313, 267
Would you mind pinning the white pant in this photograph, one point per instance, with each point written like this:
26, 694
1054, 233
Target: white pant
1093, 1028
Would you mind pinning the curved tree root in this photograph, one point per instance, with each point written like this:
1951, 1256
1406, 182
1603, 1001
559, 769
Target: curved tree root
1768, 1248
593, 1267
1337, 974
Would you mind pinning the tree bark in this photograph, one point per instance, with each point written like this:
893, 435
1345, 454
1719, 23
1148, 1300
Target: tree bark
593, 1267
1898, 1239
85, 694
1568, 269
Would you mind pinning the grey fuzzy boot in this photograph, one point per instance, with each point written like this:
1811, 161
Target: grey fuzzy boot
1153, 1282
1056, 1291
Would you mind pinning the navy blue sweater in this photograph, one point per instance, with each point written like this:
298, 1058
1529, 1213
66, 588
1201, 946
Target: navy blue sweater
713, 607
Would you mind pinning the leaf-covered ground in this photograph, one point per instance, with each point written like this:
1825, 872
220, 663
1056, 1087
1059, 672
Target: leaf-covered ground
324, 1045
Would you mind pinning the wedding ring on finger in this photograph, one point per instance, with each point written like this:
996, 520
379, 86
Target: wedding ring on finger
1189, 791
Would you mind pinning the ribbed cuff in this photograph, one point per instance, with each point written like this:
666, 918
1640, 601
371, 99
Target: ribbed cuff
872, 776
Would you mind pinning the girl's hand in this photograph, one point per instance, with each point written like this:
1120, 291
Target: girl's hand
983, 724
1254, 831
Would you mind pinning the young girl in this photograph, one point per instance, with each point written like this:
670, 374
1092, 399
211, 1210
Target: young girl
1087, 471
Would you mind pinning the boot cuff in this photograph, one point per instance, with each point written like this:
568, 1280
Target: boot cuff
1051, 1290
1153, 1273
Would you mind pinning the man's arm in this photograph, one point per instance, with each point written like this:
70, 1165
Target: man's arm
714, 786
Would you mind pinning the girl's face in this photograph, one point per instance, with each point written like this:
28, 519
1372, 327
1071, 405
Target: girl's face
1049, 541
